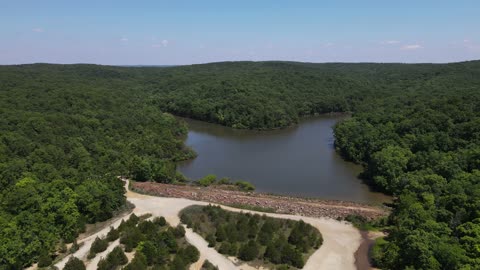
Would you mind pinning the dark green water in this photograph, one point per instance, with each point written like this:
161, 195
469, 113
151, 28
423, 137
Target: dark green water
299, 161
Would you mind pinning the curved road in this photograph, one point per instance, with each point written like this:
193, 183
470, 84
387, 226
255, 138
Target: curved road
340, 239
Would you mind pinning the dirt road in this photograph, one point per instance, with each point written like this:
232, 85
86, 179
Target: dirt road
341, 239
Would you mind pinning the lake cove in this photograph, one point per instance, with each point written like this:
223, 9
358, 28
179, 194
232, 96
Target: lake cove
297, 161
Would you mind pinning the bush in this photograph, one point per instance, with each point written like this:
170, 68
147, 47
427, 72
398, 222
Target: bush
117, 257
224, 181
113, 235
178, 263
207, 180
220, 234
191, 254
139, 262
245, 186
207, 265
131, 238
211, 240
160, 221
44, 260
179, 231
98, 245
74, 246
249, 251
148, 249
74, 264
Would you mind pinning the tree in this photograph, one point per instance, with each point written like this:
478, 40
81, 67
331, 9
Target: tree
98, 245
179, 231
191, 254
160, 221
139, 262
44, 260
74, 264
220, 234
113, 235
249, 251
207, 265
148, 249
117, 257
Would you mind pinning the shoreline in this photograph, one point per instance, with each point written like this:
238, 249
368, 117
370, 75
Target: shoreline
278, 204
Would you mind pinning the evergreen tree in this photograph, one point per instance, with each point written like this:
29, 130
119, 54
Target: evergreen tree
74, 264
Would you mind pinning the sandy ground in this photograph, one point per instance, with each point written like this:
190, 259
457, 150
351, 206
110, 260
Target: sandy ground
340, 239
87, 242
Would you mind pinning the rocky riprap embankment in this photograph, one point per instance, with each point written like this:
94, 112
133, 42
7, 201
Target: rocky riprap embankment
280, 204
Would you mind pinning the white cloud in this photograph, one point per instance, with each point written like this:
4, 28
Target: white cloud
412, 47
38, 30
124, 39
163, 43
389, 42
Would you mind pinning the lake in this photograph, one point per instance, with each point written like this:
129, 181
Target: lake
296, 161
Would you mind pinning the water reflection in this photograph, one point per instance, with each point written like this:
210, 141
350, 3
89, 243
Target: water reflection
299, 160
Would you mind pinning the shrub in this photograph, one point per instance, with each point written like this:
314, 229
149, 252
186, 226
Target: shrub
224, 181
191, 254
245, 186
113, 235
249, 251
74, 264
148, 249
207, 265
131, 238
44, 260
179, 231
207, 180
98, 245
139, 262
220, 234
160, 221
117, 257
211, 240
74, 246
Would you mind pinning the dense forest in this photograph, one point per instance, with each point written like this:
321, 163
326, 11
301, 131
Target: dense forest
68, 130
66, 133
425, 150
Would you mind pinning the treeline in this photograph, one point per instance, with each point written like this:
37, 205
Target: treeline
66, 133
266, 95
425, 150
68, 130
279, 242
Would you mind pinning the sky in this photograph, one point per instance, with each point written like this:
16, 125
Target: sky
199, 31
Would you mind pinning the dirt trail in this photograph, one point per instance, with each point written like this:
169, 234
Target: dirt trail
341, 239
82, 252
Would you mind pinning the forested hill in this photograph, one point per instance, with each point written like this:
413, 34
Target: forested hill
68, 130
264, 95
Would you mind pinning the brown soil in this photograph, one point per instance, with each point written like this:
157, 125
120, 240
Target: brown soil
280, 204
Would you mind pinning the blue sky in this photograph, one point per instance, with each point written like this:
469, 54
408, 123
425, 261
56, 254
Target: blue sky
187, 32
